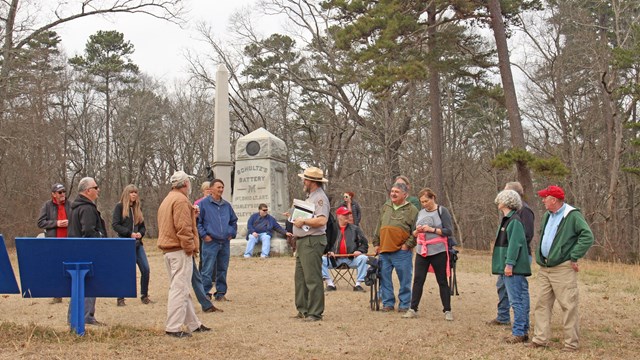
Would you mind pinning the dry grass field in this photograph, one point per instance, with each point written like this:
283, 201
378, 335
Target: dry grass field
258, 323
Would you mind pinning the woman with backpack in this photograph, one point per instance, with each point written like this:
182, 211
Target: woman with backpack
433, 229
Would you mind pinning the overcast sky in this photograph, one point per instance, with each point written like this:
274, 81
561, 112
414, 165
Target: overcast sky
160, 46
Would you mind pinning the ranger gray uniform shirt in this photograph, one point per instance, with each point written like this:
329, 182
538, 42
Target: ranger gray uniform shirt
321, 202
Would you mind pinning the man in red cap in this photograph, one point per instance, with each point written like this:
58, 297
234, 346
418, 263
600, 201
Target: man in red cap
350, 240
565, 238
54, 217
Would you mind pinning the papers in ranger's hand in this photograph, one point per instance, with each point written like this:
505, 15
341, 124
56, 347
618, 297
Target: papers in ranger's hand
302, 209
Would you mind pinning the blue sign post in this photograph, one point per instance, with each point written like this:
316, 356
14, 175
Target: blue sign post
77, 267
8, 283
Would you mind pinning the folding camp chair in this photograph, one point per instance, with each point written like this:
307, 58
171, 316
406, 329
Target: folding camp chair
342, 271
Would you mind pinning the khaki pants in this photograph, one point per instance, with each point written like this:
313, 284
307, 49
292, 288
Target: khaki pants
557, 283
180, 310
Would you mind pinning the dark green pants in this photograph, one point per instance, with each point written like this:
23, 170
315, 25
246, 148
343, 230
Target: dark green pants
308, 278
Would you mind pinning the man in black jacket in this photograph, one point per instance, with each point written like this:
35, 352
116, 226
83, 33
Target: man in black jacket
349, 240
54, 217
86, 222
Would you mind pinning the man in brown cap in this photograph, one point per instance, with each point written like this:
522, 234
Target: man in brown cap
311, 241
565, 238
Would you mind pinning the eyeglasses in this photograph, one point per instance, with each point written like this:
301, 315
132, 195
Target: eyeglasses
265, 210
61, 192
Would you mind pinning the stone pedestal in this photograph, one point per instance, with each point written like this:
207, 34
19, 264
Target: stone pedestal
260, 177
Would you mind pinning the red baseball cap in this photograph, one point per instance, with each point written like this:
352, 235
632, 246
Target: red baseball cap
343, 210
552, 190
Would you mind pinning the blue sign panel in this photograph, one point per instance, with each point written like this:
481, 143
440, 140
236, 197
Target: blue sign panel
44, 265
8, 283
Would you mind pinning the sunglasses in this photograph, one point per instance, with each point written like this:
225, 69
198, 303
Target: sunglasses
95, 187
61, 192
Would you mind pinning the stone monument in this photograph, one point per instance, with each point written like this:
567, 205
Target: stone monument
260, 177
222, 164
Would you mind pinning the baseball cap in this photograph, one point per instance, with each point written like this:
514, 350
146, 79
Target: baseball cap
343, 210
179, 176
57, 187
552, 190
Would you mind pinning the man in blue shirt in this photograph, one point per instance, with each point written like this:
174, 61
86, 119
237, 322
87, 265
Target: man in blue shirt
259, 229
217, 225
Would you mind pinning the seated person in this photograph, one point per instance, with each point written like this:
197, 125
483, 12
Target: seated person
259, 229
349, 240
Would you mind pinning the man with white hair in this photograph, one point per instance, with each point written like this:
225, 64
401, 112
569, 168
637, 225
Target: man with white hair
85, 222
178, 240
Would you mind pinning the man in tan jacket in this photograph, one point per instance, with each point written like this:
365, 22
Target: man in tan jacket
178, 240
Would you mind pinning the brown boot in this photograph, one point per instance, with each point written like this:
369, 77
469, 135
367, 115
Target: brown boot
121, 302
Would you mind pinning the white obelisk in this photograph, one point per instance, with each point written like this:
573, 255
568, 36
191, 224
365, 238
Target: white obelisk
222, 164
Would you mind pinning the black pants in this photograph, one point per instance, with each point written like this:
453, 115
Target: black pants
439, 263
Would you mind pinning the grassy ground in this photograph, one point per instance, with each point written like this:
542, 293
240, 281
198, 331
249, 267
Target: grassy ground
257, 322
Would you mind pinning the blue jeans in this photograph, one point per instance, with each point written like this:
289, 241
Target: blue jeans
145, 271
504, 316
215, 254
198, 289
359, 262
503, 300
264, 238
518, 292
401, 261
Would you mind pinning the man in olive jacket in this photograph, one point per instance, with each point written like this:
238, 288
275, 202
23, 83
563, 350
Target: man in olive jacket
565, 238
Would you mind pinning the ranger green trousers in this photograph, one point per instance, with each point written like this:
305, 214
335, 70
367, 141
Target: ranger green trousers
308, 277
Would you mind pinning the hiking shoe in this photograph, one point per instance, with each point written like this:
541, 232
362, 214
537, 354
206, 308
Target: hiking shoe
212, 309
145, 300
410, 314
569, 349
387, 309
535, 345
359, 288
403, 310
448, 315
311, 319
121, 302
55, 301
222, 298
497, 323
330, 288
178, 334
202, 328
514, 339
299, 316
95, 323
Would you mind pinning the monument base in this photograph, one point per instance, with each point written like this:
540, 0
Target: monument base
279, 247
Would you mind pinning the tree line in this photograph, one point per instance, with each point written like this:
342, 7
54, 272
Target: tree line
365, 90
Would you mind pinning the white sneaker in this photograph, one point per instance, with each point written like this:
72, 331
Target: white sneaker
448, 315
410, 314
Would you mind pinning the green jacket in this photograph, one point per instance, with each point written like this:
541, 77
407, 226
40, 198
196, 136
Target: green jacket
511, 247
395, 227
572, 241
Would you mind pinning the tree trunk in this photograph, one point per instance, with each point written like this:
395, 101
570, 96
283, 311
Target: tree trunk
436, 111
511, 100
